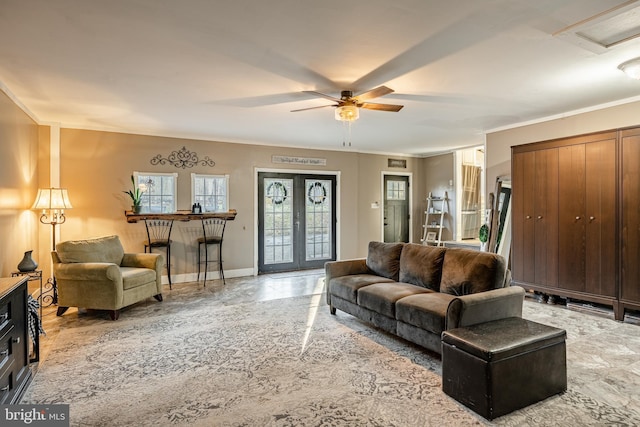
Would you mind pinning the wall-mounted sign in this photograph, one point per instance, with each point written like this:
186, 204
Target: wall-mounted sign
397, 163
309, 161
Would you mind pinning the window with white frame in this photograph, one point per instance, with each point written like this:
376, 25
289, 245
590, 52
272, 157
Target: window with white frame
211, 191
160, 191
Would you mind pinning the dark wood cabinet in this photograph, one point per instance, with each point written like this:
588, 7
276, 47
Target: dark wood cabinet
565, 224
15, 372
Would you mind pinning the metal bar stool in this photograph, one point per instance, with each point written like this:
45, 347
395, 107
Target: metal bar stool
159, 236
212, 234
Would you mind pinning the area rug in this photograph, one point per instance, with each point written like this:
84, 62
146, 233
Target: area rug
276, 363
284, 362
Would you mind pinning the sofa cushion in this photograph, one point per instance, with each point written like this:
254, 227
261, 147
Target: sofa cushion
468, 272
134, 277
425, 311
104, 249
346, 287
421, 265
382, 297
384, 259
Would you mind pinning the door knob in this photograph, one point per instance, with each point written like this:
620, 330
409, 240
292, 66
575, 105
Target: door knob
591, 218
577, 218
539, 216
528, 216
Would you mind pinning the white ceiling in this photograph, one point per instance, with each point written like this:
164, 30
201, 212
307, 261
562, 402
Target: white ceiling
232, 70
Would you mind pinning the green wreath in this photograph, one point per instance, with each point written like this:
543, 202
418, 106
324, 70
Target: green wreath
277, 192
483, 235
313, 193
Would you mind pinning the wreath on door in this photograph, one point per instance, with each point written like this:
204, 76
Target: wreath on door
277, 192
317, 193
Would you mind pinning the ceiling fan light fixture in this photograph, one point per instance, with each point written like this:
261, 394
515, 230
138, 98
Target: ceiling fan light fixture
631, 68
347, 113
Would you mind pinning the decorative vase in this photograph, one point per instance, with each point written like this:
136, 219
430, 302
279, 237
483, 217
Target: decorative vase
27, 263
136, 209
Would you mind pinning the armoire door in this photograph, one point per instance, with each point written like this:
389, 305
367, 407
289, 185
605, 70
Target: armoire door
600, 238
535, 213
587, 238
572, 206
630, 227
523, 226
546, 217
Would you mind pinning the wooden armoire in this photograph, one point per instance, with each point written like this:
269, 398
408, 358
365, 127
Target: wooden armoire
576, 218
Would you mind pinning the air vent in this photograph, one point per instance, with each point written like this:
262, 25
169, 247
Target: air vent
605, 30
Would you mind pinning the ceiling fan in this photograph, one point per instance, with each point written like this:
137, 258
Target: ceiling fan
347, 105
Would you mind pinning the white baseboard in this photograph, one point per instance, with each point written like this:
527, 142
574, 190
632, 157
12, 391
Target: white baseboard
211, 275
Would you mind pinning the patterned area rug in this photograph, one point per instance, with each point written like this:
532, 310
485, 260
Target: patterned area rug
284, 362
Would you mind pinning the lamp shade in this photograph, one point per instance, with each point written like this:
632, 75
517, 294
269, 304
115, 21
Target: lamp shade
52, 198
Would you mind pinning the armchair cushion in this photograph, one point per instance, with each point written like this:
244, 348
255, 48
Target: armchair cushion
104, 249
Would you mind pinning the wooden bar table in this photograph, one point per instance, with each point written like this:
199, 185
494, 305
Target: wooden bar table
180, 216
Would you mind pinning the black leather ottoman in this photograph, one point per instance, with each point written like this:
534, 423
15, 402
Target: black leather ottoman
497, 367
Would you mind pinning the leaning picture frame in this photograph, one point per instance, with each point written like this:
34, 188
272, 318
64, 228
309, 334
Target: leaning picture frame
431, 236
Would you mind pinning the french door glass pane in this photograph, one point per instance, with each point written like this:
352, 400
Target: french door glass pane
318, 219
278, 220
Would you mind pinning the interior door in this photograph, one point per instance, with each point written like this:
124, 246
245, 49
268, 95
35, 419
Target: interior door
297, 221
396, 208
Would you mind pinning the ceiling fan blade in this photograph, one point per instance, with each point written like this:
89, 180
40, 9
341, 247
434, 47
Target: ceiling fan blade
381, 107
373, 93
322, 95
312, 108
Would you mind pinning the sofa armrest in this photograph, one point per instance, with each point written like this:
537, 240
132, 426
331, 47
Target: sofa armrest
88, 271
142, 260
484, 307
333, 269
345, 268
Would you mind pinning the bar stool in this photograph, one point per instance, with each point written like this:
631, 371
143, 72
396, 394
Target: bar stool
159, 236
212, 234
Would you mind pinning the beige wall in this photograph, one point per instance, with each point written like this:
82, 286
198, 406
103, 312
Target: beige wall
438, 171
96, 166
19, 226
498, 144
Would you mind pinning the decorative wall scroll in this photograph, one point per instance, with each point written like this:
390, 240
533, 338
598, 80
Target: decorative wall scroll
183, 158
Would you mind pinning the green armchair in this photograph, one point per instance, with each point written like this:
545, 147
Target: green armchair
97, 274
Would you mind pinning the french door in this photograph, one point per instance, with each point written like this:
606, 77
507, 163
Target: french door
297, 221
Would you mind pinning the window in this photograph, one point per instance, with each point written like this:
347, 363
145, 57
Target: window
160, 191
396, 190
211, 191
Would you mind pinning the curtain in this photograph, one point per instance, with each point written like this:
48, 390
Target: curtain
470, 201
470, 187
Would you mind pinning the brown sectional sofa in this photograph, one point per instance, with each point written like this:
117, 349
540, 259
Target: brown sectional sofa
417, 292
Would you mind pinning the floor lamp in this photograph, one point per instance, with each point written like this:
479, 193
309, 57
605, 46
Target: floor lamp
52, 202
